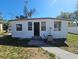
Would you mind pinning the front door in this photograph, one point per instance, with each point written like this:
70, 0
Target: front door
36, 29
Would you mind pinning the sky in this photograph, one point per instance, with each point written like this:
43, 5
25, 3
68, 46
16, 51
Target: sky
44, 8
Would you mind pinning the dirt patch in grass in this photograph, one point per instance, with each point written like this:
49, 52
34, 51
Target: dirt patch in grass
11, 52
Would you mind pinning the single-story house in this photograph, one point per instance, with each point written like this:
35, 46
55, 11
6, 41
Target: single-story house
28, 28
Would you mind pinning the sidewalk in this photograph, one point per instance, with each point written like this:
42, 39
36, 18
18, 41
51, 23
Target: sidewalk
60, 53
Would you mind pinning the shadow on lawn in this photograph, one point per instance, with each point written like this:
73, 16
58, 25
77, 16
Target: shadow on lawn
9, 41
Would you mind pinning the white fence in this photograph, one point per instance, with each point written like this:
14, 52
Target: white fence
73, 29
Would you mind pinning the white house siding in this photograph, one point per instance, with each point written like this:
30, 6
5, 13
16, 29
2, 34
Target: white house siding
22, 34
49, 23
63, 32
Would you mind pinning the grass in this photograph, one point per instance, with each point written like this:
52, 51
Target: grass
1, 33
21, 52
50, 54
71, 44
72, 41
11, 52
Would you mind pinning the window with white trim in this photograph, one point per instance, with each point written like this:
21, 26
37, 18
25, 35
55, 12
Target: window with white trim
30, 26
43, 26
18, 27
57, 26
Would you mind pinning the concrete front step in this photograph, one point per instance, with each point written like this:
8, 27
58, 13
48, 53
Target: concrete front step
36, 38
37, 43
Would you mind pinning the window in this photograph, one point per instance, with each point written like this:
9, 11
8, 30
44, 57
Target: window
19, 27
57, 26
30, 26
43, 26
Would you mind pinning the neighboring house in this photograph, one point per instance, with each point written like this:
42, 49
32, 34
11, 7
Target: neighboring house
28, 28
72, 27
1, 26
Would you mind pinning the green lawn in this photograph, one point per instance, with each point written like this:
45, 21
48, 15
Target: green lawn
20, 52
72, 42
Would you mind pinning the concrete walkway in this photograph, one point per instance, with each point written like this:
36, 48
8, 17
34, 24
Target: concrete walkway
60, 53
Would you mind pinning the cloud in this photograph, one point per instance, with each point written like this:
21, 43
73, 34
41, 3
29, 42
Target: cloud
52, 3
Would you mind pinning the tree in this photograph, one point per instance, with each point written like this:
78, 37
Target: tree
17, 17
25, 11
5, 26
64, 15
28, 12
70, 16
31, 12
1, 18
74, 15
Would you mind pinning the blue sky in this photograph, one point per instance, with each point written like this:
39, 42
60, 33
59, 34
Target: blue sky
44, 8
